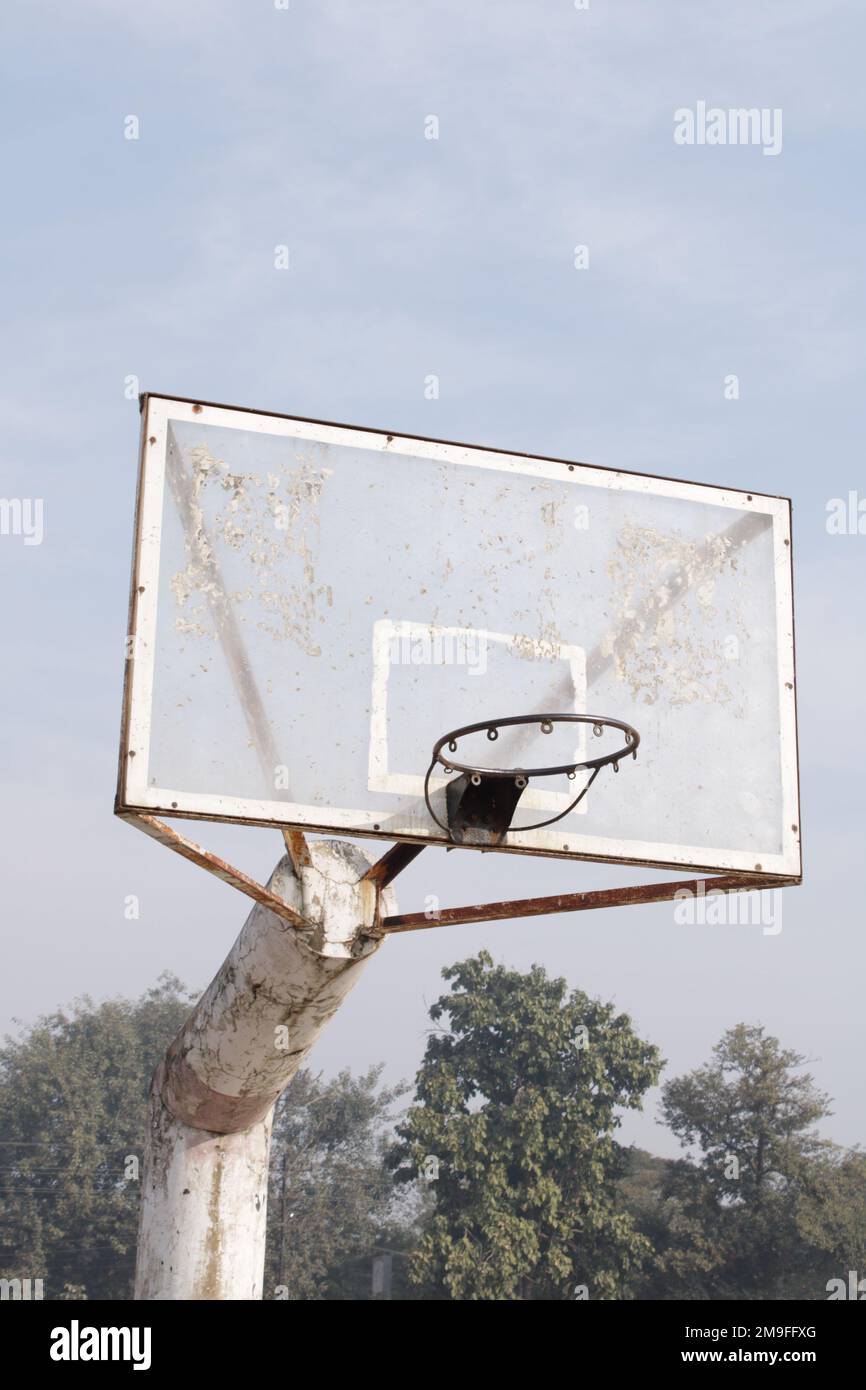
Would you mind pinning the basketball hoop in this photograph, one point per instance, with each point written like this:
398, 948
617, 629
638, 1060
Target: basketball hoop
485, 798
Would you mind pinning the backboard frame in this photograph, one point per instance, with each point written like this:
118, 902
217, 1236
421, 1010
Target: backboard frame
143, 810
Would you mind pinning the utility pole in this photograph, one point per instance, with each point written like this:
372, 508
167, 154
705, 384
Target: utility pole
204, 1200
382, 1276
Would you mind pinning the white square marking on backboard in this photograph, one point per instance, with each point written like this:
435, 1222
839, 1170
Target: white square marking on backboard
443, 641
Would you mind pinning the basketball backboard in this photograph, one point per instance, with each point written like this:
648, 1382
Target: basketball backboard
314, 605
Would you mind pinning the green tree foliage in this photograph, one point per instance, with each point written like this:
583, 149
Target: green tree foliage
528, 1195
761, 1212
641, 1189
331, 1199
831, 1213
514, 1116
73, 1112
72, 1115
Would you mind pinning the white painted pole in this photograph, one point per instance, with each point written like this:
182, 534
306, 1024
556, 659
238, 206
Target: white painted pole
204, 1199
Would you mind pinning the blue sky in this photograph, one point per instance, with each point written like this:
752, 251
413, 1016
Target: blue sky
154, 258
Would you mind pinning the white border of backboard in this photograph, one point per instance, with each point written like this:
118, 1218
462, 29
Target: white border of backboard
134, 793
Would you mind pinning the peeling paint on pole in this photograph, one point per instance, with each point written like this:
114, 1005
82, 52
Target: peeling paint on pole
204, 1204
204, 1211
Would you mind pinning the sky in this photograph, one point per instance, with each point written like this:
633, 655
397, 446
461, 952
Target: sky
148, 263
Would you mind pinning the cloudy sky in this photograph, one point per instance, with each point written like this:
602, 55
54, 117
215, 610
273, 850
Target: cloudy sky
153, 258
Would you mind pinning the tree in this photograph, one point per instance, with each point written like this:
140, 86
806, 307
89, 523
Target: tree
513, 1123
830, 1217
641, 1191
734, 1228
73, 1111
72, 1114
331, 1199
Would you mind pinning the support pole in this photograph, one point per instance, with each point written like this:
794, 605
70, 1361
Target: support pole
204, 1200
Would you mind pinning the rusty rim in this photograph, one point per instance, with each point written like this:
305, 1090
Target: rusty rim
522, 775
545, 723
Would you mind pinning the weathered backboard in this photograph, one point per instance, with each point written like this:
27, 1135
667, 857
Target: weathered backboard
314, 605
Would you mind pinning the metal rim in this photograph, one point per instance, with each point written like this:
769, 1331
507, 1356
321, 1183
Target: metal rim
494, 725
522, 775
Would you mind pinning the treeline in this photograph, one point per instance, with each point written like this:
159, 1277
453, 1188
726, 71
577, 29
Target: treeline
501, 1177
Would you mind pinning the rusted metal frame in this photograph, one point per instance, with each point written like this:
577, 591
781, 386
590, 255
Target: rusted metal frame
298, 852
145, 396
392, 863
131, 613
582, 902
400, 855
188, 849
795, 681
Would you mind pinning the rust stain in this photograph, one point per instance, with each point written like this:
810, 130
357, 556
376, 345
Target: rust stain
201, 1107
582, 902
188, 849
212, 1279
